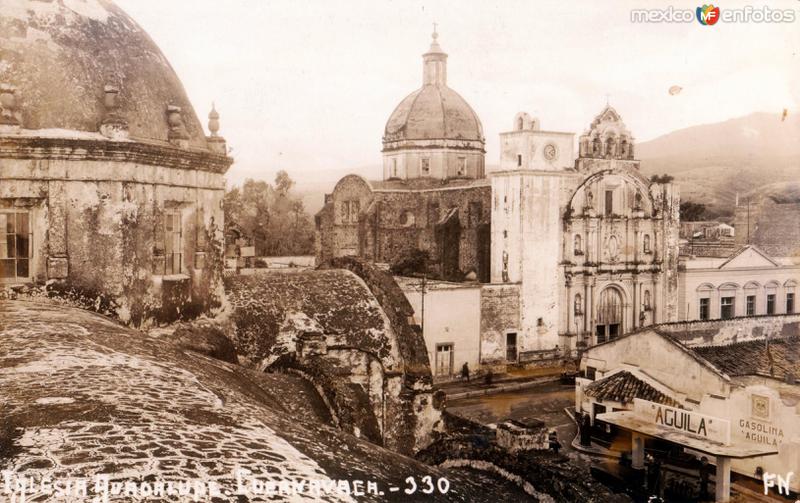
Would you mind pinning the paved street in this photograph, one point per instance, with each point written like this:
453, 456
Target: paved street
546, 401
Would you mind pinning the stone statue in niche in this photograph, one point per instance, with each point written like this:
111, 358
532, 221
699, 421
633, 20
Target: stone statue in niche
596, 146
589, 198
623, 149
612, 248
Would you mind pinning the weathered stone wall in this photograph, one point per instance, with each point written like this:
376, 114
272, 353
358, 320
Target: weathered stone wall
410, 413
717, 332
389, 221
407, 221
95, 222
367, 357
500, 313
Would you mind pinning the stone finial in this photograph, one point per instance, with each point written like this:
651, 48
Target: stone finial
113, 126
213, 120
9, 115
177, 129
216, 143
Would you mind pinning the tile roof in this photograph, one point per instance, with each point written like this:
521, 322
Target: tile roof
624, 387
775, 358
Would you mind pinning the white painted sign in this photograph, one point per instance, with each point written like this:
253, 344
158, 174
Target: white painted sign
711, 428
248, 251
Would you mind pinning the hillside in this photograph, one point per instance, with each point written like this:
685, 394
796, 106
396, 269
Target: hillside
712, 162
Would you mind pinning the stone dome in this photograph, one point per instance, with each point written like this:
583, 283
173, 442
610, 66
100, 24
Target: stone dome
434, 112
59, 58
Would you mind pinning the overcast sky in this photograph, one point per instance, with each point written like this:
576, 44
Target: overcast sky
308, 86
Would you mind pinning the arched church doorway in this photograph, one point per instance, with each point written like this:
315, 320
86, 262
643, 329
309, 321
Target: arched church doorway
609, 315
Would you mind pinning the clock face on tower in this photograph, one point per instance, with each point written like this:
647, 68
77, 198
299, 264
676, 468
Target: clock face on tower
550, 152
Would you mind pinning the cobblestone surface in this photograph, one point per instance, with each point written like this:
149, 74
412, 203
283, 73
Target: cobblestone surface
85, 396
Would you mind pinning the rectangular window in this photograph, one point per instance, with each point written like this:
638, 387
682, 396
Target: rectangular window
350, 211
425, 166
519, 159
168, 255
789, 303
15, 245
751, 305
771, 303
726, 308
591, 373
609, 208
705, 310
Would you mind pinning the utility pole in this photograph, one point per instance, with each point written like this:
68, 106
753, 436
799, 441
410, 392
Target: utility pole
424, 284
748, 220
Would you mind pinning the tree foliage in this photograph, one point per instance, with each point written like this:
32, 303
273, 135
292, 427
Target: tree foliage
692, 212
665, 178
271, 217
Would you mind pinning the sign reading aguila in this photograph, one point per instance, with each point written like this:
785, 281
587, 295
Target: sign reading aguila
686, 421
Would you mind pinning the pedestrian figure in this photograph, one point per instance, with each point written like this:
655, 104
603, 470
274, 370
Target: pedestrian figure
705, 472
465, 372
654, 476
586, 430
555, 445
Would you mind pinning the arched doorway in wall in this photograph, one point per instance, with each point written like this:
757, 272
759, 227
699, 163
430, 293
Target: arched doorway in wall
609, 324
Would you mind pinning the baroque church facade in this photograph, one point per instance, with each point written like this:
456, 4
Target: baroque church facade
583, 249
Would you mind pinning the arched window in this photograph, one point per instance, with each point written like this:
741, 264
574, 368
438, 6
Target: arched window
578, 246
596, 146
578, 310
520, 124
646, 243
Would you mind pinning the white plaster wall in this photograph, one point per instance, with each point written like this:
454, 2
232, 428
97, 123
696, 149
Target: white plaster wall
784, 414
452, 315
530, 145
660, 359
691, 280
444, 163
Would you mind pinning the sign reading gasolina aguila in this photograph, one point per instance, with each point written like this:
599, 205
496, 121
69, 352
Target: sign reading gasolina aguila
710, 428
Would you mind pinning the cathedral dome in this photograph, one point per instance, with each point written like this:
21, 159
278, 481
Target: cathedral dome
434, 112
66, 65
